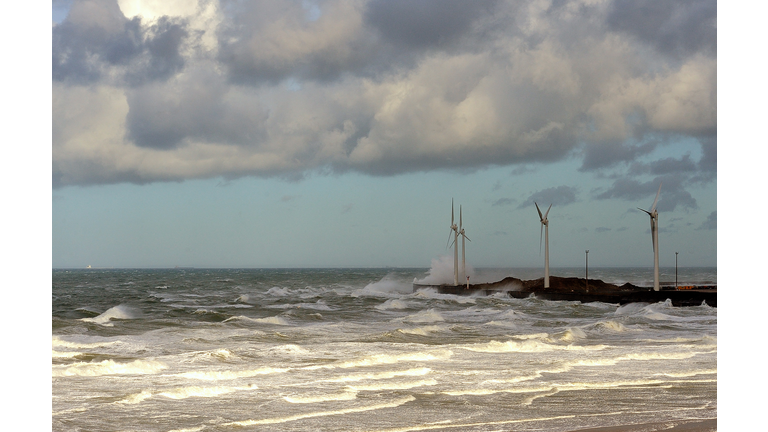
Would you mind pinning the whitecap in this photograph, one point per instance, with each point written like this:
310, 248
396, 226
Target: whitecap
109, 367
392, 304
117, 312
427, 316
317, 398
421, 331
390, 404
275, 320
393, 385
230, 374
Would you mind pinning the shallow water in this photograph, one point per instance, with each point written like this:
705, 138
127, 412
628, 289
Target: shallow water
356, 349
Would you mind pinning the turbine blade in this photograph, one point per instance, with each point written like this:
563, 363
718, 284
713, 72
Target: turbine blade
653, 207
541, 233
537, 209
447, 245
465, 236
459, 217
649, 213
545, 214
451, 211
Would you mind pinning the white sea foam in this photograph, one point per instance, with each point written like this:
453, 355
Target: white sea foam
380, 375
117, 312
392, 304
183, 393
195, 391
527, 346
331, 397
66, 354
387, 286
441, 272
572, 334
689, 373
392, 404
230, 374
427, 316
380, 359
630, 309
279, 292
109, 367
421, 331
610, 326
657, 356
392, 385
274, 320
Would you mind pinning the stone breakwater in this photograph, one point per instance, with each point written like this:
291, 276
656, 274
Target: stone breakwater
579, 289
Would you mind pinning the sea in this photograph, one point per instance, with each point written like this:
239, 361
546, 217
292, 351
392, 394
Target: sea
189, 349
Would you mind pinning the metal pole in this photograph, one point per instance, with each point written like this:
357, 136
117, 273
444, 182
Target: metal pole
675, 270
586, 275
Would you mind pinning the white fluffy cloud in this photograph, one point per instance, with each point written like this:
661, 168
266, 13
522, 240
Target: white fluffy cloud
192, 89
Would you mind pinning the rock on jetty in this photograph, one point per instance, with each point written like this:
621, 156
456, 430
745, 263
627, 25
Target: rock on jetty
579, 289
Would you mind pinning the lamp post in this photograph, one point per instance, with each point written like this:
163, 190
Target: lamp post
675, 270
586, 270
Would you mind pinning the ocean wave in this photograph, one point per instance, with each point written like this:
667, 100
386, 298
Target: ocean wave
183, 393
331, 397
117, 312
109, 367
380, 359
427, 316
527, 346
275, 320
230, 374
608, 326
380, 375
358, 409
387, 286
572, 334
58, 342
392, 385
392, 304
421, 331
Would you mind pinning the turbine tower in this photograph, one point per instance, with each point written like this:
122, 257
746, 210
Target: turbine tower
463, 249
455, 232
655, 238
545, 228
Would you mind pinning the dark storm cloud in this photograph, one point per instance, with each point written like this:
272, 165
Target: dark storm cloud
672, 193
710, 223
674, 27
607, 154
560, 195
665, 166
96, 39
427, 23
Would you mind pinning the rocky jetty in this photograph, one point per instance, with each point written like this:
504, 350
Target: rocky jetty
579, 289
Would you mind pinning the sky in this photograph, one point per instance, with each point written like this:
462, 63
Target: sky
338, 133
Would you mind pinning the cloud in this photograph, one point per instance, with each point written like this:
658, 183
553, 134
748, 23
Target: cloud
503, 202
561, 195
710, 223
97, 43
203, 89
671, 195
602, 229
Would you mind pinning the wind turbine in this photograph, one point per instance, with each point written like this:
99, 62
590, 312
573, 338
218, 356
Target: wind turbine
545, 228
463, 249
655, 238
455, 231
